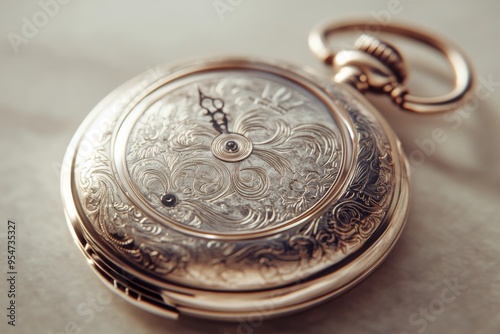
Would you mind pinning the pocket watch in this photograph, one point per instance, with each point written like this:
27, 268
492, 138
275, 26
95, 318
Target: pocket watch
235, 187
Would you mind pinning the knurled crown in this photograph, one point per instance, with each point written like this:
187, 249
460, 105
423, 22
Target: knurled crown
384, 52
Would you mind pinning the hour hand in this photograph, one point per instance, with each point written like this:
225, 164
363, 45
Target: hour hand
214, 108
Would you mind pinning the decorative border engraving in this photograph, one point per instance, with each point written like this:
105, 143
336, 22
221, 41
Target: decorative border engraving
308, 248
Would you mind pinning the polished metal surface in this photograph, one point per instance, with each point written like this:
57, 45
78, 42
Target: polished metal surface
234, 179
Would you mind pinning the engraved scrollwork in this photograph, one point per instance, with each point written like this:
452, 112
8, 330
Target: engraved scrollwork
122, 225
347, 224
291, 167
285, 167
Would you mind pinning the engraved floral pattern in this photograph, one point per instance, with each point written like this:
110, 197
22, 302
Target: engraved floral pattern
166, 156
346, 226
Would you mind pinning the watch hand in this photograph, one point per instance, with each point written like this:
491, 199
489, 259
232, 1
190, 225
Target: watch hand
214, 108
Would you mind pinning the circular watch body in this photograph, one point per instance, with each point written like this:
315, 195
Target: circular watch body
234, 187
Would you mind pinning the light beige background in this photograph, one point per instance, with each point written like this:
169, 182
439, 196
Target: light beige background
90, 47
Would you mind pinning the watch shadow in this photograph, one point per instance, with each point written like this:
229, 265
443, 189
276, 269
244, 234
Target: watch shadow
467, 150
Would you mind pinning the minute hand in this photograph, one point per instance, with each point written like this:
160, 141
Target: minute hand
214, 108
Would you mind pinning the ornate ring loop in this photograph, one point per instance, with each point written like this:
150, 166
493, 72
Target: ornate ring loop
462, 69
